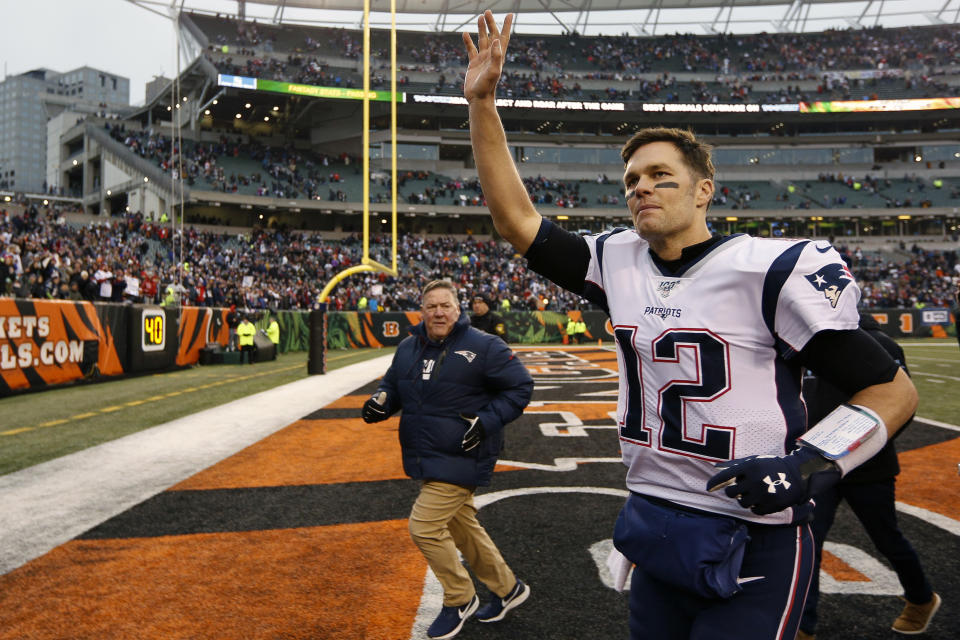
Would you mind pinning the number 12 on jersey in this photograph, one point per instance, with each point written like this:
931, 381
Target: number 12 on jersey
669, 428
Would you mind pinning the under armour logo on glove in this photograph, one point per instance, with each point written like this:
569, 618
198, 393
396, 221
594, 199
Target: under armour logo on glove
750, 482
773, 484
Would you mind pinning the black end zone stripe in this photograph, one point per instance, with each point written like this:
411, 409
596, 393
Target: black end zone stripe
259, 509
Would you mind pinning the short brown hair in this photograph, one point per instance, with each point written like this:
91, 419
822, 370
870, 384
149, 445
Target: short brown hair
696, 154
441, 284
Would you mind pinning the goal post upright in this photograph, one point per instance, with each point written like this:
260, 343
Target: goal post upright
367, 263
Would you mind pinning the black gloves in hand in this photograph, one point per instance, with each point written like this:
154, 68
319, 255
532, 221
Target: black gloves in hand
767, 484
375, 409
474, 433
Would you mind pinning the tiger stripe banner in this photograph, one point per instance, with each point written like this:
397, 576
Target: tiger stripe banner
50, 342
200, 326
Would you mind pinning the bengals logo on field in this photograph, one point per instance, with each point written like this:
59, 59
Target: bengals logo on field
391, 329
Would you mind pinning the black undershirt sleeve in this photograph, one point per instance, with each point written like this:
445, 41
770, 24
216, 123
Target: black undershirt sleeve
850, 360
560, 256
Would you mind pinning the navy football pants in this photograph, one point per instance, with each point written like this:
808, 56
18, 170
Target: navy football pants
768, 608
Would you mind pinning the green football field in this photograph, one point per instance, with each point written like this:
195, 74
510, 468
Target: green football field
935, 367
44, 425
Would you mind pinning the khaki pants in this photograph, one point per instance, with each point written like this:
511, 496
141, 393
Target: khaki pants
444, 520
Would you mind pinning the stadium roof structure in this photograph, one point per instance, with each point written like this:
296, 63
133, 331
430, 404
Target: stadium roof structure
592, 17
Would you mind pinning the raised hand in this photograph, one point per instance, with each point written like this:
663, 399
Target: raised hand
486, 58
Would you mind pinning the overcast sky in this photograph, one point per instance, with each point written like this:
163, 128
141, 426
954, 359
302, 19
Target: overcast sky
128, 40
112, 35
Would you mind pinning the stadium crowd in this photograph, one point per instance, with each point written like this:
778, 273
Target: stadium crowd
129, 259
284, 172
905, 62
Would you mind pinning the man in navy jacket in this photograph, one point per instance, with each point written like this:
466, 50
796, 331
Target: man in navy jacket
457, 388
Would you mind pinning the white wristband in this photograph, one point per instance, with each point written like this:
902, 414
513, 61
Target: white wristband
849, 436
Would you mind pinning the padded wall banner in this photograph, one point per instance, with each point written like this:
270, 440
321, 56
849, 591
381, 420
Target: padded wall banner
936, 322
114, 319
352, 329
151, 337
198, 327
294, 330
49, 342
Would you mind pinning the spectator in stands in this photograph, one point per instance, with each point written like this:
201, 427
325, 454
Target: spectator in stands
233, 321
7, 275
956, 311
104, 279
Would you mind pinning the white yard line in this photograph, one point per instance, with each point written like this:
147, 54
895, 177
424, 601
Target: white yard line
48, 504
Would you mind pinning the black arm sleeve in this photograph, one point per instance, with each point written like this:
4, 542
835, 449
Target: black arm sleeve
560, 256
850, 360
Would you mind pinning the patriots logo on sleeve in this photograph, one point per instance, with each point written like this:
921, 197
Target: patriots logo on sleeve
831, 280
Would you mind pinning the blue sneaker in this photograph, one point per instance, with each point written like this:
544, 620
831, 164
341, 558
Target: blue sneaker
497, 608
451, 619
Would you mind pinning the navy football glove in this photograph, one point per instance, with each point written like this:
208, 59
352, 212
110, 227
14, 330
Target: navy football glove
767, 484
375, 409
474, 433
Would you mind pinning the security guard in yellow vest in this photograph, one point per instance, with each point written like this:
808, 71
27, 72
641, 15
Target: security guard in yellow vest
580, 331
245, 333
571, 330
273, 332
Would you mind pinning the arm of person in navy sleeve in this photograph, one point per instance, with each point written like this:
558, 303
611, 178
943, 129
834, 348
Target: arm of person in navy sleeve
511, 383
859, 365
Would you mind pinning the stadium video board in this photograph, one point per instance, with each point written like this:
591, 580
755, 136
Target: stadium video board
292, 88
861, 106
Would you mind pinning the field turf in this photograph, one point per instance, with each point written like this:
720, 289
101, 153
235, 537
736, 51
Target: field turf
303, 533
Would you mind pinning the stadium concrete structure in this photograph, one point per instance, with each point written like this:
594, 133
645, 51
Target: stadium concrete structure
38, 106
774, 150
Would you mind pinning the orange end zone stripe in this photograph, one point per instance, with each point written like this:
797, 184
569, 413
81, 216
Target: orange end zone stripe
928, 478
343, 581
584, 411
840, 570
310, 452
348, 402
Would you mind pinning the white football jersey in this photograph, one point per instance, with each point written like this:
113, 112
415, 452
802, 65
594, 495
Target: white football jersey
703, 355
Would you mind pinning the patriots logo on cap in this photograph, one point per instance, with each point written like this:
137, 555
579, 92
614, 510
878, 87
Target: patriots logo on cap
831, 280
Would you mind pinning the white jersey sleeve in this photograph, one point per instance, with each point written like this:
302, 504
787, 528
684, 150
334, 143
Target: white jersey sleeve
595, 289
819, 293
